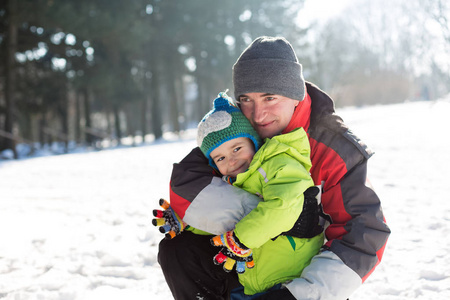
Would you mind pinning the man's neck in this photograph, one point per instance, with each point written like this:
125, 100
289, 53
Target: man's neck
301, 116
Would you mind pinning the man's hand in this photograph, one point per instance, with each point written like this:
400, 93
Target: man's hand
233, 252
307, 224
168, 220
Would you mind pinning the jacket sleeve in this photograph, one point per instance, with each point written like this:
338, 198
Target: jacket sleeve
358, 233
326, 278
356, 237
203, 200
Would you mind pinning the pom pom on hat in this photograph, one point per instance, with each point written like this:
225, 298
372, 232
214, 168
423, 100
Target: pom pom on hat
223, 123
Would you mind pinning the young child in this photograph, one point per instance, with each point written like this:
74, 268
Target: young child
278, 172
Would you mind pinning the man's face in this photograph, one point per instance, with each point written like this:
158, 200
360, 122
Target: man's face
233, 156
269, 114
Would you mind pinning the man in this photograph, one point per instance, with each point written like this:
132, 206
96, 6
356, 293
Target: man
271, 92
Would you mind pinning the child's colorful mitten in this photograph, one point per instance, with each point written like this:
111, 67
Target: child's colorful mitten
168, 220
233, 252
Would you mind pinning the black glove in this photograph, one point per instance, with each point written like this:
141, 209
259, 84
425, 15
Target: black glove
281, 294
168, 220
307, 224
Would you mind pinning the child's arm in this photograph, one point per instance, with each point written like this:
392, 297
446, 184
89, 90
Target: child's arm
203, 200
282, 205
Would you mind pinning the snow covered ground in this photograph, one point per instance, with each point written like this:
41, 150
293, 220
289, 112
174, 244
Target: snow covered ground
78, 226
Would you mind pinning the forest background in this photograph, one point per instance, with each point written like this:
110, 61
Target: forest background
93, 72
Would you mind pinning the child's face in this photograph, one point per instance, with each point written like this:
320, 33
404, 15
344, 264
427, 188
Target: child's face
233, 156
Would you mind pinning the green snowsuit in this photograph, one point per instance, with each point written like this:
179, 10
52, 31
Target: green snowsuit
279, 173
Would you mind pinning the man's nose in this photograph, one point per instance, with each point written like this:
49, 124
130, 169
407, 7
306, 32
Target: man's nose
259, 112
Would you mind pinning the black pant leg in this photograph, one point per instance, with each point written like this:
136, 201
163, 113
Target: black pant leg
189, 270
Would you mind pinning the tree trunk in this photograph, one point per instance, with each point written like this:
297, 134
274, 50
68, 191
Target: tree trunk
117, 124
64, 117
87, 117
10, 73
174, 111
200, 95
42, 124
155, 107
144, 106
181, 103
130, 110
78, 100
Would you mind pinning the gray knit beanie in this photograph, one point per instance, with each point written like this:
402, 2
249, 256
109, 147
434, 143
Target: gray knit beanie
269, 65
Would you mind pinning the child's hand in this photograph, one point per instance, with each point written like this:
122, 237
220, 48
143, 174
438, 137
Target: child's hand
168, 220
233, 251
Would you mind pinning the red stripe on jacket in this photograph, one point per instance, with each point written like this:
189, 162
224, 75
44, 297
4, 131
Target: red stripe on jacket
332, 201
334, 170
178, 203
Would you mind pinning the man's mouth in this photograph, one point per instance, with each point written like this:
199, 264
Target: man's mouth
265, 124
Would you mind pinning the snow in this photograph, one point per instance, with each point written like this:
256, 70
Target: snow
78, 226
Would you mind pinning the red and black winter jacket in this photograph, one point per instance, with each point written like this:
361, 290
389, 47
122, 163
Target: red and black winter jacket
357, 232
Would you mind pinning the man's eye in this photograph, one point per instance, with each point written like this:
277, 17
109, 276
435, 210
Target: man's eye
241, 100
270, 98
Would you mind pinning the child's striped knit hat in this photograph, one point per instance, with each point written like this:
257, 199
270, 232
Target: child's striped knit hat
223, 123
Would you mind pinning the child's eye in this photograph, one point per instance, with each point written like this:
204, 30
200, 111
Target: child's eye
237, 149
220, 159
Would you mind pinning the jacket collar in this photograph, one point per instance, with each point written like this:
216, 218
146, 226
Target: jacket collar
316, 105
301, 116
